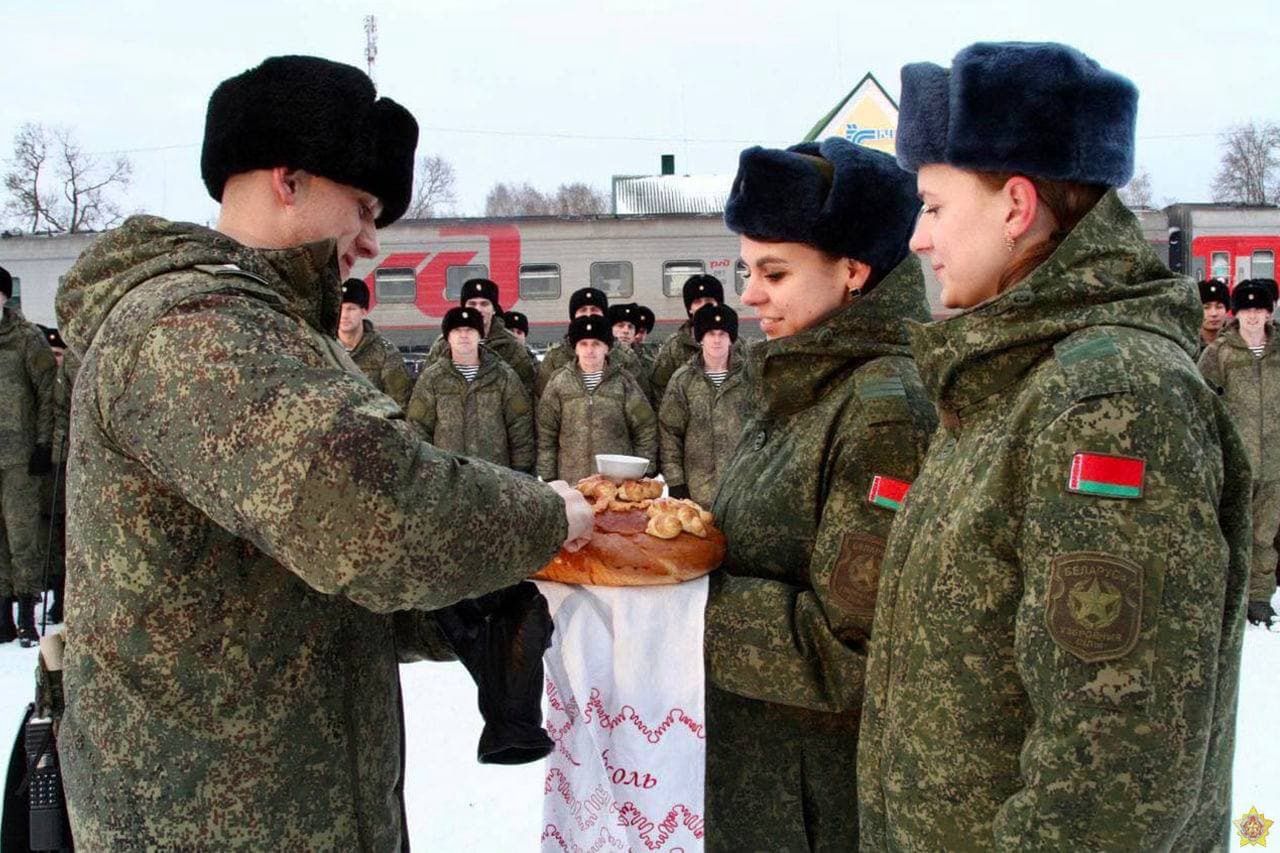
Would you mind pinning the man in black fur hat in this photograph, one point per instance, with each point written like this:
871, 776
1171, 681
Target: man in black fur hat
378, 358
676, 350
1215, 297
257, 531
482, 295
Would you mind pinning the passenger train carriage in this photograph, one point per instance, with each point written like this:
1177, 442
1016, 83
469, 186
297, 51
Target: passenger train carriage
539, 261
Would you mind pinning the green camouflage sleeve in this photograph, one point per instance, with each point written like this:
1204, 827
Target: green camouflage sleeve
62, 405
422, 405
42, 372
224, 402
439, 349
1210, 368
395, 376
518, 413
546, 369
1119, 636
524, 367
549, 434
642, 424
673, 420
418, 637
664, 366
806, 645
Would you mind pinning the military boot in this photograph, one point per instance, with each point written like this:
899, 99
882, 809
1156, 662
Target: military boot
55, 609
8, 631
27, 635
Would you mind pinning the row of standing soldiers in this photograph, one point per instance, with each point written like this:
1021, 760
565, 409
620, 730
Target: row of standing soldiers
603, 389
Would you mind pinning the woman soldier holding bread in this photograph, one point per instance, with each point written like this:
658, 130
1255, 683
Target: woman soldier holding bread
1057, 642
840, 426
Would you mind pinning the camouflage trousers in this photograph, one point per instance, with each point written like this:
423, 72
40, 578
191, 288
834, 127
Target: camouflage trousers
1266, 523
20, 546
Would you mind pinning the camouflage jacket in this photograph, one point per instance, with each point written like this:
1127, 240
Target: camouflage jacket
27, 371
788, 615
575, 424
250, 521
64, 383
675, 353
561, 353
503, 344
382, 363
489, 418
1057, 643
1251, 388
699, 426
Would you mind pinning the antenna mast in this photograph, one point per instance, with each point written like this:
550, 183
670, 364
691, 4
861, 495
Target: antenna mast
370, 42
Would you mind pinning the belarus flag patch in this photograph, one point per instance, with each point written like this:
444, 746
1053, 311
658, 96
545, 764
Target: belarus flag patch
1106, 476
888, 492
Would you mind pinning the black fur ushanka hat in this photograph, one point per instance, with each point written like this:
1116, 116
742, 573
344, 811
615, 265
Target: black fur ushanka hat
355, 291
480, 288
710, 317
1037, 108
457, 318
304, 112
585, 296
847, 200
1252, 293
646, 318
584, 328
1215, 290
516, 321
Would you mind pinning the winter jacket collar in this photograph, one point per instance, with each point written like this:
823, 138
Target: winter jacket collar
1103, 274
305, 278
794, 372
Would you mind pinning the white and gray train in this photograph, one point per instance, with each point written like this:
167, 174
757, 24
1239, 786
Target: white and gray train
539, 261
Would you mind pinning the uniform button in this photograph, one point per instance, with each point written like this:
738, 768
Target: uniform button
761, 438
1024, 297
825, 336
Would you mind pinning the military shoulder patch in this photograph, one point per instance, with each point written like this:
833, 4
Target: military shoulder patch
1094, 605
887, 492
1106, 476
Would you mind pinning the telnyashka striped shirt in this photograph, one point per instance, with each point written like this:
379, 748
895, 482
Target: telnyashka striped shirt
591, 380
468, 371
717, 377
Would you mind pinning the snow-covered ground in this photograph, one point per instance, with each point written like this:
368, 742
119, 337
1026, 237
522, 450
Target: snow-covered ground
485, 808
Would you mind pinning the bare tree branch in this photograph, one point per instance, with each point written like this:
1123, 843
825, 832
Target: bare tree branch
526, 200
1137, 193
1249, 172
44, 157
433, 193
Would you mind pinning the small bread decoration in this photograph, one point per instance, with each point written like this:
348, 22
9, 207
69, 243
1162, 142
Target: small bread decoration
640, 538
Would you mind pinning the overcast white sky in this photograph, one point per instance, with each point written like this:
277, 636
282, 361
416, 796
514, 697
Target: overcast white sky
557, 92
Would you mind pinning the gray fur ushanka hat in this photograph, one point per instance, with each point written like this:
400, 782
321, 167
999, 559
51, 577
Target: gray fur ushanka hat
848, 200
304, 112
1037, 108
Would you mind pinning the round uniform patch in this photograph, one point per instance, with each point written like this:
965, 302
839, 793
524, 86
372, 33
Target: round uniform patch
1094, 606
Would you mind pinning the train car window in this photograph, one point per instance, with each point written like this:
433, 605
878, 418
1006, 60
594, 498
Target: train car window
395, 284
613, 277
1197, 269
539, 281
1264, 264
676, 273
1220, 265
455, 277
740, 276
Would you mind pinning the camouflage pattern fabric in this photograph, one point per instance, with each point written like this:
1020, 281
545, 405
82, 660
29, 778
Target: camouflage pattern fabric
675, 353
503, 344
489, 418
27, 371
561, 353
53, 494
382, 363
1057, 669
699, 426
789, 613
253, 528
1250, 386
575, 424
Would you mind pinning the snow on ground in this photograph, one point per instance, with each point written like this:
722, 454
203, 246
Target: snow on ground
456, 804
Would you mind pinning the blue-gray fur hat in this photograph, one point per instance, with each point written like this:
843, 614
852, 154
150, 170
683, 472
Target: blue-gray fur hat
848, 200
1037, 108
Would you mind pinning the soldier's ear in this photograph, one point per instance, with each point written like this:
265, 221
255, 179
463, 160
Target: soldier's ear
288, 185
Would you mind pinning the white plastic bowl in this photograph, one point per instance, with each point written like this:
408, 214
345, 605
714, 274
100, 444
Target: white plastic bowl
617, 467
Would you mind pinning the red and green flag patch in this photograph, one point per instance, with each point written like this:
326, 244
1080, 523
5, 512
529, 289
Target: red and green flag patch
1106, 476
888, 492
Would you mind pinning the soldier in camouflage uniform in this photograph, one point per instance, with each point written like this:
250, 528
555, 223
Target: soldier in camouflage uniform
1246, 372
839, 409
624, 319
578, 419
586, 302
646, 349
488, 416
1056, 647
482, 295
1215, 297
54, 501
27, 370
255, 529
518, 325
378, 358
677, 349
702, 412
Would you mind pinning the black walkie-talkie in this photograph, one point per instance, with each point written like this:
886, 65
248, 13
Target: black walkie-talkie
44, 787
